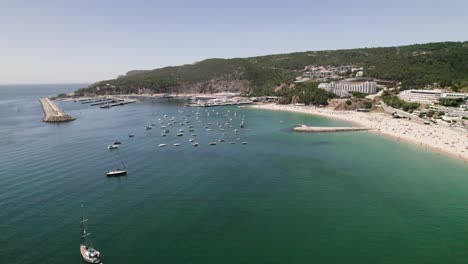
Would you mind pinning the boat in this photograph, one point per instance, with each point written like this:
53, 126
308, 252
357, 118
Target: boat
115, 173
244, 143
161, 145
149, 127
88, 253
163, 135
105, 106
221, 140
181, 130
131, 135
195, 144
232, 142
191, 140
212, 143
117, 142
194, 135
113, 146
180, 134
176, 144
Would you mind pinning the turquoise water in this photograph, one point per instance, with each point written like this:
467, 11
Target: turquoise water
282, 198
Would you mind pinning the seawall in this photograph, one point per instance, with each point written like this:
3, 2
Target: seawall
53, 113
316, 129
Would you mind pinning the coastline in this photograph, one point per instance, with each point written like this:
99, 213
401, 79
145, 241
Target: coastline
437, 138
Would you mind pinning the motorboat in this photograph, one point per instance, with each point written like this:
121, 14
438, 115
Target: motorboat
113, 146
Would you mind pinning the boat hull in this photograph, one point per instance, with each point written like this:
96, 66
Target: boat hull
116, 173
90, 259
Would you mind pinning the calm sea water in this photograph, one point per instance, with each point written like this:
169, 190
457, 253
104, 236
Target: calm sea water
282, 198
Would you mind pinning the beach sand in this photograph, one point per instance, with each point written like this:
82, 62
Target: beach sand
440, 138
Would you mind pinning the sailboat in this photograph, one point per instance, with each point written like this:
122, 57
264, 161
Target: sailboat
117, 172
88, 253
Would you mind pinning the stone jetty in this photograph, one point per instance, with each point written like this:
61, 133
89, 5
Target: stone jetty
53, 113
304, 128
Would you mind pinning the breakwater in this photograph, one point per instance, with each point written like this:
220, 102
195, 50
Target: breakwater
304, 128
53, 113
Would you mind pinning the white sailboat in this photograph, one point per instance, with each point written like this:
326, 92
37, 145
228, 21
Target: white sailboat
87, 251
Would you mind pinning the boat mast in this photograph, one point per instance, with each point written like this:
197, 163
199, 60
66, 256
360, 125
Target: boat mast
84, 233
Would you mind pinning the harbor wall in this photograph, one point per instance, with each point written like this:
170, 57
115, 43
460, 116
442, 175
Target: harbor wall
53, 113
304, 128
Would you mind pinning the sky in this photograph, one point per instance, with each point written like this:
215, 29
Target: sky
84, 41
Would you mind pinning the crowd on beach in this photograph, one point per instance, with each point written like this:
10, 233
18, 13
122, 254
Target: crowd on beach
440, 138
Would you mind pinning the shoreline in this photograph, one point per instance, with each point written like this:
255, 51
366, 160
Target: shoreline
436, 138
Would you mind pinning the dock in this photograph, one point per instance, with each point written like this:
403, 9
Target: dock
53, 113
304, 128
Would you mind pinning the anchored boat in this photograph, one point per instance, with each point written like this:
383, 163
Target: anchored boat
87, 251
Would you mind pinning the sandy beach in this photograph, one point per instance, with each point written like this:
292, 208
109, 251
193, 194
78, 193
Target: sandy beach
440, 138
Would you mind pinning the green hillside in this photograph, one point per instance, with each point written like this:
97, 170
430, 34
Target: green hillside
415, 66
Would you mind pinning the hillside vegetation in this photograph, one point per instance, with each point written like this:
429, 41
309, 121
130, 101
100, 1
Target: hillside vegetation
415, 66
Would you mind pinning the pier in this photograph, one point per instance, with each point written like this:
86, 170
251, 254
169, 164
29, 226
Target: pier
53, 113
304, 128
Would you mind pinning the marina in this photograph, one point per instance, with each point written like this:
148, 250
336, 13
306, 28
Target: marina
176, 201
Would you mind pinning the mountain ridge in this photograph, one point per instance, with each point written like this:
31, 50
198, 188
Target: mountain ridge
415, 66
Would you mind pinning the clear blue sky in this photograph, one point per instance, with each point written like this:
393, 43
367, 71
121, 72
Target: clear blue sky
64, 41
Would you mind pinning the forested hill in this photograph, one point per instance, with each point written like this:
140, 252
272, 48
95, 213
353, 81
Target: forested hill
415, 66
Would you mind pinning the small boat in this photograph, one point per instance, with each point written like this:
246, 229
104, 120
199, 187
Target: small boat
191, 140
117, 172
221, 140
161, 145
149, 127
117, 142
212, 143
176, 144
244, 143
113, 146
88, 253
131, 135
195, 144
180, 134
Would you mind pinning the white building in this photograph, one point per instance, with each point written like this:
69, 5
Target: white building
429, 96
361, 87
339, 92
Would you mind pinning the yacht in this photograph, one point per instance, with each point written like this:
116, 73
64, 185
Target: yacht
113, 146
117, 172
88, 253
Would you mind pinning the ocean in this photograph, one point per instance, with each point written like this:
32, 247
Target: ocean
283, 197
